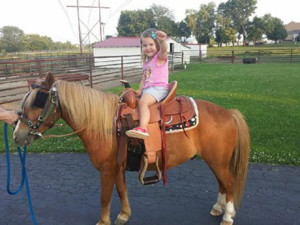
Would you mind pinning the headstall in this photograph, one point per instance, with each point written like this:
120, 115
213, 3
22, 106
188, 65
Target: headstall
48, 101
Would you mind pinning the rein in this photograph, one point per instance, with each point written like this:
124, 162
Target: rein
61, 135
24, 179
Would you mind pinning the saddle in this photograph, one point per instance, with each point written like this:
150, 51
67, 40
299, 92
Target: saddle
173, 114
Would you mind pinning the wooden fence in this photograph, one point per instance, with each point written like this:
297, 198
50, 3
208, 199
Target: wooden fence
17, 75
268, 55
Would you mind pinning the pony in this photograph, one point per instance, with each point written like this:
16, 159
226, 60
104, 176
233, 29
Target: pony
221, 139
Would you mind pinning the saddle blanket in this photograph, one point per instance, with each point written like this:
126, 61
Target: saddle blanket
186, 125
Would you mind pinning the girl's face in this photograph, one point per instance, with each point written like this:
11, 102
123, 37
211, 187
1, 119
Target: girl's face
148, 47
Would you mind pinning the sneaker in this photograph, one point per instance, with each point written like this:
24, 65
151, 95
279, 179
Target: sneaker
137, 133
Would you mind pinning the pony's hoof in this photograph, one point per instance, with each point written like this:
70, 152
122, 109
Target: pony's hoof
214, 212
121, 219
226, 223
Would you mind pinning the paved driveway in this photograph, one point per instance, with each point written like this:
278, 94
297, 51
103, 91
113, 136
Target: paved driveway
65, 190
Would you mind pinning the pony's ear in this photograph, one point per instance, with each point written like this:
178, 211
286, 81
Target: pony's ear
49, 80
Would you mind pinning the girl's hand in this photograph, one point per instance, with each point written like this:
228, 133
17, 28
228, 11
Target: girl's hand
9, 117
160, 35
138, 93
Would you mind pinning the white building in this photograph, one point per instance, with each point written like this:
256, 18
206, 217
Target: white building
199, 50
129, 46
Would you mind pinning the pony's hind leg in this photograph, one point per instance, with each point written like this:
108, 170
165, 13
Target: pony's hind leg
125, 213
220, 205
225, 197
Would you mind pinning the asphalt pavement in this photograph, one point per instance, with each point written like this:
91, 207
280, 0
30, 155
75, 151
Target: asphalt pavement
65, 190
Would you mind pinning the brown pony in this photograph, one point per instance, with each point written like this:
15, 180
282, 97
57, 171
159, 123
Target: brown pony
221, 139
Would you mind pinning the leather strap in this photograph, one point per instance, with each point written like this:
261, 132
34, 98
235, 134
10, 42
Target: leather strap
164, 147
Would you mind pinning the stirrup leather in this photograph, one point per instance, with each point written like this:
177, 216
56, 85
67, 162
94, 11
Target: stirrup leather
149, 180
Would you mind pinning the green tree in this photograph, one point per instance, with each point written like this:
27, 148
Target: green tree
183, 30
161, 11
239, 12
167, 25
133, 23
35, 42
202, 22
255, 29
275, 29
10, 39
225, 32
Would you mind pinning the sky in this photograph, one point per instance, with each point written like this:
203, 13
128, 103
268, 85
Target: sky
53, 18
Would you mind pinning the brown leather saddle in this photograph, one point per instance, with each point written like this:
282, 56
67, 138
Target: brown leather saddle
135, 154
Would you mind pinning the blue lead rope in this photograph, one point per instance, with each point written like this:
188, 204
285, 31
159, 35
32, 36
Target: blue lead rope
24, 179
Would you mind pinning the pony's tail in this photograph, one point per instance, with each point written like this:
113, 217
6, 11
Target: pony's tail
240, 156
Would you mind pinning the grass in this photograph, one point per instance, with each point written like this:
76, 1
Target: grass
271, 49
267, 94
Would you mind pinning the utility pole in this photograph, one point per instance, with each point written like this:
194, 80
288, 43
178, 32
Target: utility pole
89, 30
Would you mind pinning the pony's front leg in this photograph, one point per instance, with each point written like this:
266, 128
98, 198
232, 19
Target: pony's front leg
125, 213
108, 178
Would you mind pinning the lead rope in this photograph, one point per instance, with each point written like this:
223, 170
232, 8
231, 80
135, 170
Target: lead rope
24, 174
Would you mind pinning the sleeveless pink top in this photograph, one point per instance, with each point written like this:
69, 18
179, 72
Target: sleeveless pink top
155, 75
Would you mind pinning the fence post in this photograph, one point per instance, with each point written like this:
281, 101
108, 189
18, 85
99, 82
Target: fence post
291, 58
122, 69
232, 56
259, 56
172, 68
91, 71
182, 62
40, 68
200, 53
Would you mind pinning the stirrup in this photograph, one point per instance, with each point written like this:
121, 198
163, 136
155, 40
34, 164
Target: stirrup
149, 180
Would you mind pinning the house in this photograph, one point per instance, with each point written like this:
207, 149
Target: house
293, 29
131, 46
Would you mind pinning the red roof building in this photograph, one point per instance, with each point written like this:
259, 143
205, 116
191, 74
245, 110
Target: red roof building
119, 42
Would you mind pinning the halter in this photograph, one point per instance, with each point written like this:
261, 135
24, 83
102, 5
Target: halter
50, 107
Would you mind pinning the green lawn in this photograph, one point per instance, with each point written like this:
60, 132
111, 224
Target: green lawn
267, 94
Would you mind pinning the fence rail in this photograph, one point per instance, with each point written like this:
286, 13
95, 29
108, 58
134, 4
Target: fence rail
236, 56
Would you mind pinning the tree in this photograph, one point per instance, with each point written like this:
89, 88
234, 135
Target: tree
167, 25
239, 12
183, 30
275, 29
161, 11
255, 29
133, 23
202, 22
10, 39
225, 32
35, 42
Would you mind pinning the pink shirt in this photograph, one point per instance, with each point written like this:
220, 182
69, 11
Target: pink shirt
155, 75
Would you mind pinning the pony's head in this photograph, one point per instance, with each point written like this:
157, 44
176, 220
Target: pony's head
40, 110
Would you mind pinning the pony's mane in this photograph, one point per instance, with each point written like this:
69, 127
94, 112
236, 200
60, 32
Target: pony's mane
90, 109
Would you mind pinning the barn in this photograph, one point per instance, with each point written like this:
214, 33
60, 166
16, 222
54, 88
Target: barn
131, 46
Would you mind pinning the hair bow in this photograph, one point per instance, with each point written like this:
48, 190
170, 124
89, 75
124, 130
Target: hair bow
153, 35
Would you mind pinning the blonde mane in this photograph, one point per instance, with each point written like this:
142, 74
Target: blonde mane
90, 109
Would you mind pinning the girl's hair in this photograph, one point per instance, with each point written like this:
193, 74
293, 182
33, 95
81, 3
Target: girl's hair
150, 32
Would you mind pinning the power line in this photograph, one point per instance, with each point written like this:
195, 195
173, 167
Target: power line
118, 10
77, 6
69, 20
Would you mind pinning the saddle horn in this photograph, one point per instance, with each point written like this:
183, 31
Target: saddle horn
126, 83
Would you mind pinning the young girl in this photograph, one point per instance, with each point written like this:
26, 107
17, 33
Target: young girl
154, 84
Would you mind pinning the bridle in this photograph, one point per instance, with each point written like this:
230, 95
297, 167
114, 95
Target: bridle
50, 104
